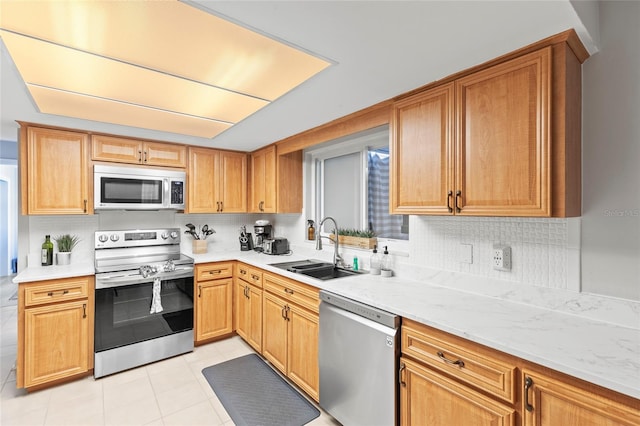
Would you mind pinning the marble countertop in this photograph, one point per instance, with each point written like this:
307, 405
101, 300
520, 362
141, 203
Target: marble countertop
594, 338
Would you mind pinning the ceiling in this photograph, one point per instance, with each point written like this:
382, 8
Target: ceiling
379, 49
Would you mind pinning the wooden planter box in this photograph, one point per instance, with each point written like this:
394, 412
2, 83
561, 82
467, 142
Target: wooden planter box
364, 243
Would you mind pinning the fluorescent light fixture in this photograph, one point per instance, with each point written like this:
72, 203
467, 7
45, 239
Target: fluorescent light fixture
160, 65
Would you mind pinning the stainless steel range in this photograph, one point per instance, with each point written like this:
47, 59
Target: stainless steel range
143, 300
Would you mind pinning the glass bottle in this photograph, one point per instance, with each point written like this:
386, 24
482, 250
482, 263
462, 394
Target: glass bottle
385, 263
47, 252
374, 262
311, 231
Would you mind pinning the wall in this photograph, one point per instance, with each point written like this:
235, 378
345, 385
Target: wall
611, 156
8, 205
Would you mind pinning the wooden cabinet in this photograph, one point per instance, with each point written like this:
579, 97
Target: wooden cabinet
263, 181
54, 171
446, 380
136, 151
500, 141
548, 401
290, 330
248, 305
214, 301
432, 399
55, 330
217, 181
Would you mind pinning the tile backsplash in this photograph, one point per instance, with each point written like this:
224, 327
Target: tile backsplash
545, 252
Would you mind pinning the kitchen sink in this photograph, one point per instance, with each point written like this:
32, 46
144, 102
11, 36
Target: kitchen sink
316, 269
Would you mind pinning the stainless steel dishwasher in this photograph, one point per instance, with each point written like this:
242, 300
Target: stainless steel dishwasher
357, 355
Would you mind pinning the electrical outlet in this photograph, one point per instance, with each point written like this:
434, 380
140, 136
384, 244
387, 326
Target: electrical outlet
501, 258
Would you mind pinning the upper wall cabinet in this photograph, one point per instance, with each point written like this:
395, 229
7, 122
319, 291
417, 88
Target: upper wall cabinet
499, 141
54, 171
217, 181
263, 181
136, 151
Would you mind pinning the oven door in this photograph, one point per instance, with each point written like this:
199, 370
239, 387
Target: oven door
122, 313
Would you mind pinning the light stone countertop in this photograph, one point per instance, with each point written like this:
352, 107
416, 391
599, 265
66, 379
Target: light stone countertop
594, 338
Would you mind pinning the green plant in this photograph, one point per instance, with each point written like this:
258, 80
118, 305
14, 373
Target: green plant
352, 232
66, 242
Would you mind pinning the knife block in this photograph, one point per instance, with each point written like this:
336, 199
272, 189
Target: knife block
199, 246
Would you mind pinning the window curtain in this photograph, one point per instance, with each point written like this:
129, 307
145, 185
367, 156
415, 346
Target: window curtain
380, 221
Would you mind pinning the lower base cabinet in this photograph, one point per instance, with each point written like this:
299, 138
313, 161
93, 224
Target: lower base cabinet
55, 330
428, 398
213, 301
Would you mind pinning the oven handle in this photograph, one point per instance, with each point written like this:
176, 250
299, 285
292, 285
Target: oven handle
114, 280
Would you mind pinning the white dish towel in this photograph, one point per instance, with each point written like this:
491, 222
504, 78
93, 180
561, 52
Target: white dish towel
156, 303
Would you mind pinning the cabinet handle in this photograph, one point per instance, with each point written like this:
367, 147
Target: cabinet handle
218, 209
261, 206
85, 206
457, 362
286, 316
449, 195
62, 293
217, 271
248, 292
528, 382
139, 156
284, 312
288, 291
221, 206
84, 310
145, 156
243, 272
255, 277
458, 195
403, 366
199, 291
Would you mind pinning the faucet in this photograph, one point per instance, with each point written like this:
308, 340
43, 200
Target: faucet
336, 256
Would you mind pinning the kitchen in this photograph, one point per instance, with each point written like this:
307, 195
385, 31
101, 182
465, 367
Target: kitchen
619, 280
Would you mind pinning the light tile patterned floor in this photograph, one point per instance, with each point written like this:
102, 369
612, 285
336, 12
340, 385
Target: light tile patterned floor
169, 392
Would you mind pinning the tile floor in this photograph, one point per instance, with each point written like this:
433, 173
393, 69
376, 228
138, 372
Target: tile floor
169, 392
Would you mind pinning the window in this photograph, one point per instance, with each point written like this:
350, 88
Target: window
350, 182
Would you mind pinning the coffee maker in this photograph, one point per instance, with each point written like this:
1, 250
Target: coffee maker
262, 231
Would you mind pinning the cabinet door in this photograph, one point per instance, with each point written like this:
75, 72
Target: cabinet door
303, 350
503, 144
430, 399
263, 181
551, 402
164, 154
57, 165
242, 309
202, 191
214, 309
254, 328
421, 175
232, 177
274, 331
56, 341
119, 150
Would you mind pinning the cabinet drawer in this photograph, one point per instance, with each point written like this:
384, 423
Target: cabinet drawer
461, 359
214, 271
56, 291
249, 274
292, 291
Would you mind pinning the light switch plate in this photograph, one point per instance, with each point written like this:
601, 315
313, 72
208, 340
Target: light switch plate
466, 253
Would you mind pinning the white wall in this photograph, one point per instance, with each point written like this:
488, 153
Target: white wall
611, 156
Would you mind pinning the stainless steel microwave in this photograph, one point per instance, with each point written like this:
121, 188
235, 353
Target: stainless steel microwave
138, 188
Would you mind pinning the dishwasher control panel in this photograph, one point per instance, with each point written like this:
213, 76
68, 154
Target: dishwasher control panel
358, 308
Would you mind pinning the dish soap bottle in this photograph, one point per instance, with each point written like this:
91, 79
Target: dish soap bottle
385, 263
374, 262
47, 252
311, 231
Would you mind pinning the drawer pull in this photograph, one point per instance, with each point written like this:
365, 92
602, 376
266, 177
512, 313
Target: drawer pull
528, 382
62, 293
288, 291
457, 362
403, 366
255, 277
243, 272
217, 271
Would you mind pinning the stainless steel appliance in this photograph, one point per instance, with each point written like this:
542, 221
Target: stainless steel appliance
262, 233
276, 246
358, 352
138, 188
143, 300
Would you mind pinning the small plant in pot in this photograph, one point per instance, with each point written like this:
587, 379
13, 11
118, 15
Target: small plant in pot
66, 243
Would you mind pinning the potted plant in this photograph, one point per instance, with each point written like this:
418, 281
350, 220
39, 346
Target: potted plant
361, 238
66, 243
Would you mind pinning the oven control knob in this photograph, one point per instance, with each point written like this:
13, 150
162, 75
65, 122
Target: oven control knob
114, 237
174, 234
103, 238
164, 235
